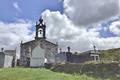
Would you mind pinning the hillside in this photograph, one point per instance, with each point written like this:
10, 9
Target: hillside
38, 74
111, 54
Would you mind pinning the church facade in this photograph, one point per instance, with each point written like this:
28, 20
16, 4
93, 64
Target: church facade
37, 52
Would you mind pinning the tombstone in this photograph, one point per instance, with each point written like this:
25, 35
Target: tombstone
61, 58
38, 57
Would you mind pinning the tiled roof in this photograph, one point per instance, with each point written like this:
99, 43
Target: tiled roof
10, 52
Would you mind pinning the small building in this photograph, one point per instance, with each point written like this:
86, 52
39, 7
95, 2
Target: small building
38, 52
7, 58
95, 54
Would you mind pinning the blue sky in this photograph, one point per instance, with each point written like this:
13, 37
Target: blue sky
28, 9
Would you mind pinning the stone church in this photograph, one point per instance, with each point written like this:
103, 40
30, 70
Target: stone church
37, 52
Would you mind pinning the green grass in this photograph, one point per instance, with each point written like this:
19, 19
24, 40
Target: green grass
38, 74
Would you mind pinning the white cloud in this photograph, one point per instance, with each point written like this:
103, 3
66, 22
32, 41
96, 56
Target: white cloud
59, 26
62, 29
16, 6
11, 34
107, 43
115, 28
84, 12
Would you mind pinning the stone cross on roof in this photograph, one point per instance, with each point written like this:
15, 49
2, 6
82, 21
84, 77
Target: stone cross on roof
68, 48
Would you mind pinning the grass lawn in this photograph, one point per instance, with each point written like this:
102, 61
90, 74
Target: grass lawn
38, 74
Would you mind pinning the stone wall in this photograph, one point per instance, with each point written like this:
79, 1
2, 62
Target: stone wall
81, 58
27, 48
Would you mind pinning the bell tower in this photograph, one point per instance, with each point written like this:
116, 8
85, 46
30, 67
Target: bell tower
40, 29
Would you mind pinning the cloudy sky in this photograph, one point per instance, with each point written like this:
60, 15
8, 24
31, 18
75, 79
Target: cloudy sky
79, 24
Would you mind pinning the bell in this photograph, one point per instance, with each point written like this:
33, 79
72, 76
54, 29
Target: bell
40, 31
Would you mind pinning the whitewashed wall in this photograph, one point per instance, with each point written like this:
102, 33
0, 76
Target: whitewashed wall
8, 61
38, 57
